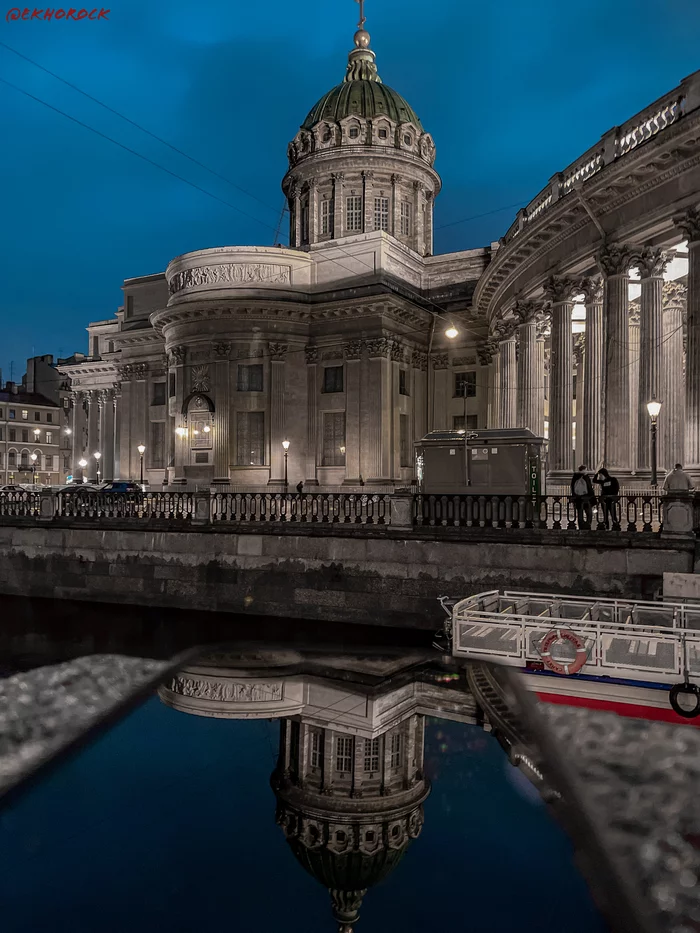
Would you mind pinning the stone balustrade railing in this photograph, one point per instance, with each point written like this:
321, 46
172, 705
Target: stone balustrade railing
613, 145
644, 513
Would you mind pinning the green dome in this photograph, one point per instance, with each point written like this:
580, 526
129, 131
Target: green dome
363, 99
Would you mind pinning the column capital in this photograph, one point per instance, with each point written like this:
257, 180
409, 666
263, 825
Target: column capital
544, 326
337, 176
502, 331
177, 355
689, 222
311, 354
367, 175
397, 352
674, 296
440, 361
652, 262
352, 350
278, 352
485, 352
592, 288
419, 360
379, 346
76, 396
561, 288
615, 259
396, 179
526, 312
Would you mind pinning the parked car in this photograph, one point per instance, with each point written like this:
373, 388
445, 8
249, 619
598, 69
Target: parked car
13, 487
73, 489
121, 486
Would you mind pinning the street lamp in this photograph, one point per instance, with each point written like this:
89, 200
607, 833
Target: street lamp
653, 407
33, 459
67, 431
37, 432
285, 444
142, 450
451, 332
97, 456
82, 464
181, 432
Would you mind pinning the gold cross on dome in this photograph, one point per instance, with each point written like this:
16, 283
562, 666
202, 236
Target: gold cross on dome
362, 13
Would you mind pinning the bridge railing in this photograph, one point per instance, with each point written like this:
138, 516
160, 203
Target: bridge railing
628, 513
324, 508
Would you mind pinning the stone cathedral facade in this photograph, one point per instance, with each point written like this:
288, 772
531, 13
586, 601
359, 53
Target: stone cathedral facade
587, 308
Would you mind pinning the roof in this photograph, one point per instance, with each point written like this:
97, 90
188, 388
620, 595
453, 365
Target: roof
27, 398
362, 99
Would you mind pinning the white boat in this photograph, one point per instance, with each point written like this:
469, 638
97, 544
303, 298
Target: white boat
635, 658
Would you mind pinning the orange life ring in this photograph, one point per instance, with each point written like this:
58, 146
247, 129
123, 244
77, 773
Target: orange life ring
559, 667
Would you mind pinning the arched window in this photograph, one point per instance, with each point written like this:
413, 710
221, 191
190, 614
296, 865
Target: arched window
24, 460
11, 459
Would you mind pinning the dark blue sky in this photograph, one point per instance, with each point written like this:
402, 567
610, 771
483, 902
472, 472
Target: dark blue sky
511, 91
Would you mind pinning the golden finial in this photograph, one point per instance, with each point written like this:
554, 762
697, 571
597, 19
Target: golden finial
361, 36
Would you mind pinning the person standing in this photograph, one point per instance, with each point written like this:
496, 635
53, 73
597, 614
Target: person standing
610, 496
583, 496
677, 481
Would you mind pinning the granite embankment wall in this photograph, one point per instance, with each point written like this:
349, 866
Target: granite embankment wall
366, 575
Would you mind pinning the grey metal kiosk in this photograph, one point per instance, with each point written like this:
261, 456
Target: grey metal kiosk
494, 462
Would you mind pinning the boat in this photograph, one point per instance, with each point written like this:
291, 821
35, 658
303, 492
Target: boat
634, 658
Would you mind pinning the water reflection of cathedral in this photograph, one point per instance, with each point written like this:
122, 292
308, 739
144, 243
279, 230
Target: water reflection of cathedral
349, 778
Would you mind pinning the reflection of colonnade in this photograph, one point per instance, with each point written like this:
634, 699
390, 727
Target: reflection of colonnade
349, 777
615, 341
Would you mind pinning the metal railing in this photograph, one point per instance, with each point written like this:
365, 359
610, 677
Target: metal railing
626, 513
328, 508
622, 638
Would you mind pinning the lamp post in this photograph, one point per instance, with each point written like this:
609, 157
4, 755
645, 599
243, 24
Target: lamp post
285, 444
82, 464
142, 450
33, 459
97, 456
653, 407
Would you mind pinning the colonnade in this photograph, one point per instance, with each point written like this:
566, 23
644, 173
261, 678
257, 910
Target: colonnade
95, 430
625, 363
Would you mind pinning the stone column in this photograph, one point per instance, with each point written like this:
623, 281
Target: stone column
107, 434
652, 265
539, 429
93, 432
529, 377
395, 224
495, 386
367, 202
353, 435
313, 211
311, 466
508, 378
429, 223
116, 428
672, 433
634, 327
561, 290
594, 374
578, 354
140, 414
77, 400
296, 198
182, 450
378, 454
441, 394
417, 231
615, 262
222, 414
419, 365
278, 353
338, 205
690, 224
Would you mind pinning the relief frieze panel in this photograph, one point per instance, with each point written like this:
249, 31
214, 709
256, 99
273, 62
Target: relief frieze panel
226, 691
227, 273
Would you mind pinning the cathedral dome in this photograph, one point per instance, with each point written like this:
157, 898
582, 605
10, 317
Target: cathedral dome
361, 98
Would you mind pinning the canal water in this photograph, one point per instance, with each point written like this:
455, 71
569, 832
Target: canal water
296, 789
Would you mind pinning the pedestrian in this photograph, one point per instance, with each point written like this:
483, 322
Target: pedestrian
609, 495
583, 496
300, 487
678, 482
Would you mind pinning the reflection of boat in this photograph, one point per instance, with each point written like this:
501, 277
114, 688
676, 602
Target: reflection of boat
626, 656
349, 778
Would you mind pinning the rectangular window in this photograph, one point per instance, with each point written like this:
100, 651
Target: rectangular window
305, 222
381, 213
396, 748
49, 417
326, 215
25, 415
333, 379
25, 437
353, 213
343, 754
12, 459
250, 378
48, 463
406, 216
472, 423
66, 462
171, 385
465, 385
201, 457
37, 416
250, 438
129, 307
12, 414
371, 755
12, 434
316, 749
333, 438
404, 447
403, 382
158, 393
1, 413
49, 437
2, 460
2, 435
157, 446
